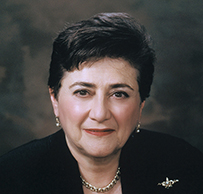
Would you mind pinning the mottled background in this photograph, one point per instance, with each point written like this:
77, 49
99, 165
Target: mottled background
27, 29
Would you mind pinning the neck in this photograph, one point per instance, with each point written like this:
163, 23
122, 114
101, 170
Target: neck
98, 171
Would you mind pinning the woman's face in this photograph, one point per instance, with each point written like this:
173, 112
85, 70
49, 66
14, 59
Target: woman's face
99, 106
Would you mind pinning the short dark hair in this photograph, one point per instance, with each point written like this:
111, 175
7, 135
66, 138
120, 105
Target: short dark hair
113, 35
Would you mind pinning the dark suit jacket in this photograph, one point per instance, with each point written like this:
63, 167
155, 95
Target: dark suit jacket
46, 166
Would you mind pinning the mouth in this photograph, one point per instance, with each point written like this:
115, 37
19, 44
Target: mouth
99, 132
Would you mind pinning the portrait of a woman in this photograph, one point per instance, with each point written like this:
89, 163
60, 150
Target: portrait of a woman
100, 76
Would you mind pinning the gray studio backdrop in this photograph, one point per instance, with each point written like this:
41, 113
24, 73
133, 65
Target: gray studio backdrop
27, 29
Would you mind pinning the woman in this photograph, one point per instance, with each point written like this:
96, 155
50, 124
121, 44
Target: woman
101, 72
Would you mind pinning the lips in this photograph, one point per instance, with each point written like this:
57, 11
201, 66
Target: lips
99, 132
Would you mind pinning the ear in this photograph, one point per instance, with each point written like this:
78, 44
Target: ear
54, 102
141, 108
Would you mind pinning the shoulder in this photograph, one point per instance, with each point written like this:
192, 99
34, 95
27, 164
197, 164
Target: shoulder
34, 165
31, 150
163, 149
159, 143
156, 156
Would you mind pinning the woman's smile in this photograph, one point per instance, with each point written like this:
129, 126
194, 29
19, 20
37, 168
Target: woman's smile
99, 132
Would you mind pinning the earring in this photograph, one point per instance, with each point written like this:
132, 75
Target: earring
58, 124
138, 127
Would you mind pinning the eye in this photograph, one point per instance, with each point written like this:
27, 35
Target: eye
121, 94
81, 93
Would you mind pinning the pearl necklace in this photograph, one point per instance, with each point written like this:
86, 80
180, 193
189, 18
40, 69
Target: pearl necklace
104, 189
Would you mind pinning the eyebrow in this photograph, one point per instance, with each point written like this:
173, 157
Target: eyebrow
86, 84
90, 85
121, 86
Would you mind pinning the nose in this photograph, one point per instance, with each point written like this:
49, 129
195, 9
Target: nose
100, 110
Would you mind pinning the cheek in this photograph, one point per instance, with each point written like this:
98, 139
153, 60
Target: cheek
71, 112
128, 115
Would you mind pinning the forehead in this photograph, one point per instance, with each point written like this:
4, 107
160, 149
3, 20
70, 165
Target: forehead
103, 70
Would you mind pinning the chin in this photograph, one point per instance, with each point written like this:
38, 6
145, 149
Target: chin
103, 153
